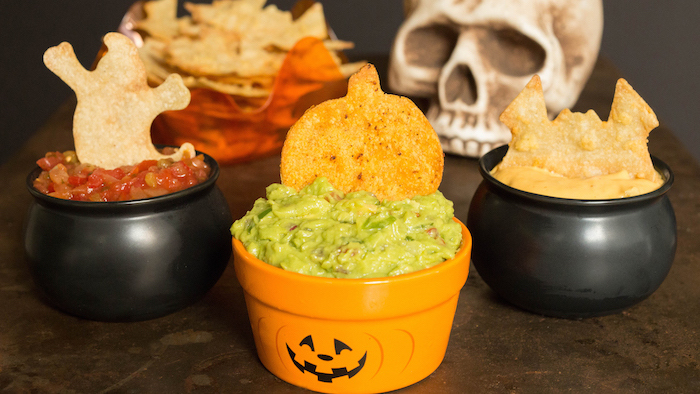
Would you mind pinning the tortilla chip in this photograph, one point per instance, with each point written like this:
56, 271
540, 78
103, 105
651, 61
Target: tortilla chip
112, 121
161, 19
229, 38
578, 145
367, 140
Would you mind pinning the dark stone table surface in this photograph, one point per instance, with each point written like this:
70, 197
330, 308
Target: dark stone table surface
208, 347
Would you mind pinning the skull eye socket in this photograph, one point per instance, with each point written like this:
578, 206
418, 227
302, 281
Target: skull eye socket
430, 46
513, 53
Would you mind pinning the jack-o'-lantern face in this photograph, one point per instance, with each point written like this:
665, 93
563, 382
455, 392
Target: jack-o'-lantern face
327, 361
337, 356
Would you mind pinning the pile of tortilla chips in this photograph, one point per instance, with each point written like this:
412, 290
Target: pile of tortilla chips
252, 70
232, 46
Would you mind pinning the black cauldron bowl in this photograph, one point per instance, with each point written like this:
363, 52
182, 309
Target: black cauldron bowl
570, 258
128, 260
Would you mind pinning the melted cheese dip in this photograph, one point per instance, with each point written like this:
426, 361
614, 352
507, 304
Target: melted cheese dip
604, 187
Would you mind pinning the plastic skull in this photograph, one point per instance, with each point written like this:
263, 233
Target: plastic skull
472, 57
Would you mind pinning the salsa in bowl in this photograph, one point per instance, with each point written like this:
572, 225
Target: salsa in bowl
64, 176
128, 260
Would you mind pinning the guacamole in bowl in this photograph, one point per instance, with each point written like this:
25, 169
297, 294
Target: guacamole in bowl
323, 232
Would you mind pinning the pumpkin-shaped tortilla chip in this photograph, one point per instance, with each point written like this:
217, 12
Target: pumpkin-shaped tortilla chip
367, 140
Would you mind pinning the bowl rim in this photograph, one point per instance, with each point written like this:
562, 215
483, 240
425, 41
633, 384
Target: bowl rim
463, 251
170, 197
353, 299
489, 160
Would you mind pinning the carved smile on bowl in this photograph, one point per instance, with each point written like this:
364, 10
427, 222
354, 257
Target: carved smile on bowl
343, 353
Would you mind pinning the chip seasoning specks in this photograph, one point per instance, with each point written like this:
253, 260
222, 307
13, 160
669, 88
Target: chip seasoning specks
367, 140
115, 109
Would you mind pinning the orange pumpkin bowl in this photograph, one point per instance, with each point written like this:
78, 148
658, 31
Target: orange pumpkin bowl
351, 335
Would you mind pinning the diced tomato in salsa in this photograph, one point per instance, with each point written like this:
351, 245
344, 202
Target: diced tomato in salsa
63, 176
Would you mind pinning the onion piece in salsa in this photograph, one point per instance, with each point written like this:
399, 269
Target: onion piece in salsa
63, 176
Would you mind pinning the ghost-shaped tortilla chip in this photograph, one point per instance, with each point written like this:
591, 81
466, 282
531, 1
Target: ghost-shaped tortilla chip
115, 109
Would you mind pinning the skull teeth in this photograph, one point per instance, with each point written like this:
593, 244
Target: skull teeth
465, 134
465, 148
